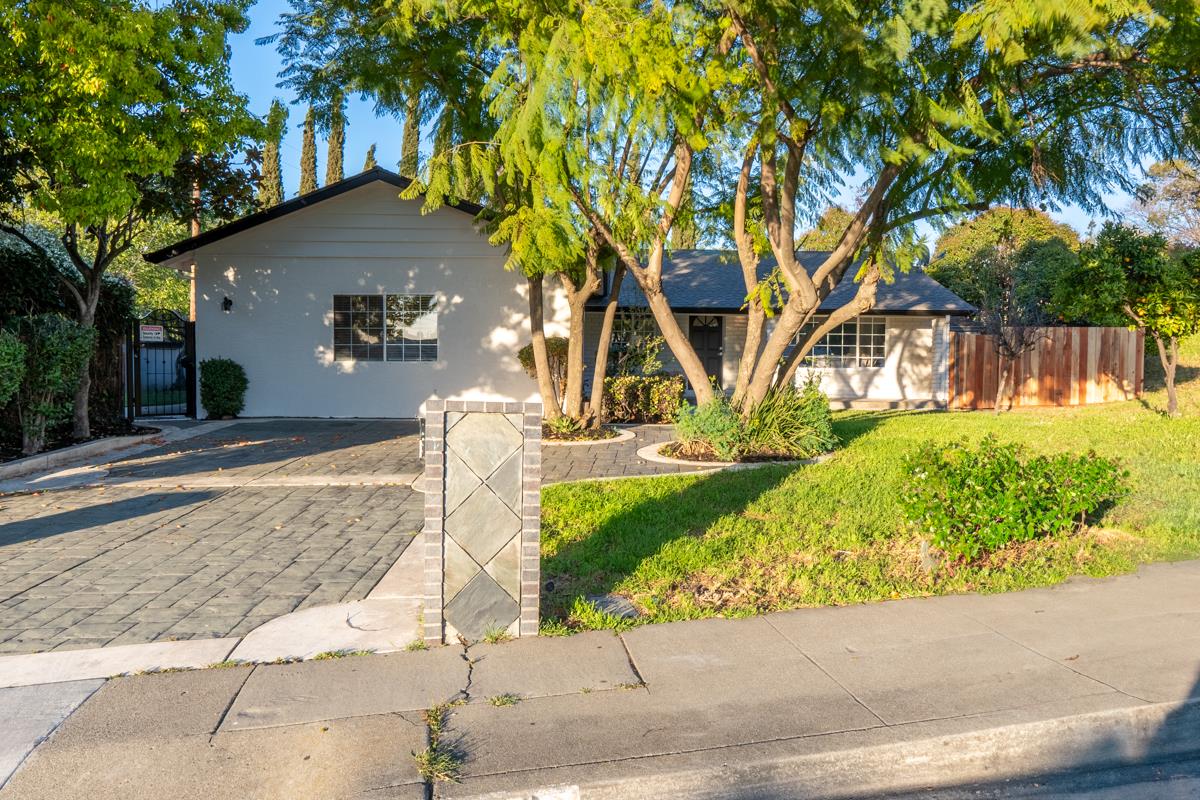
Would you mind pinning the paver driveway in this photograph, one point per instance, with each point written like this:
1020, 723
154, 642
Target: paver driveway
210, 536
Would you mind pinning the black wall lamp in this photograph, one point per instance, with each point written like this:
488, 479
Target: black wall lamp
226, 305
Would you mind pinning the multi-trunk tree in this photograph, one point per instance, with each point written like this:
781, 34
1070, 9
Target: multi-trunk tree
948, 108
115, 112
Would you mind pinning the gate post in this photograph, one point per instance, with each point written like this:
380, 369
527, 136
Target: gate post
482, 535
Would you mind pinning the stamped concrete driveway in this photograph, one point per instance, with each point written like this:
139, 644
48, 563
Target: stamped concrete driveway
210, 536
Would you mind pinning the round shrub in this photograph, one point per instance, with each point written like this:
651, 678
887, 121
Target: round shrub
974, 500
556, 354
222, 387
713, 430
642, 398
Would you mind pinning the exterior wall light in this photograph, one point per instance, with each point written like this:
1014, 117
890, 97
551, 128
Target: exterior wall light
226, 305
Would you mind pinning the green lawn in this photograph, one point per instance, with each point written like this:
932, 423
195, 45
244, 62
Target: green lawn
738, 543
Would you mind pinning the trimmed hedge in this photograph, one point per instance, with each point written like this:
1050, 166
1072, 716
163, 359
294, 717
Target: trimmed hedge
642, 398
12, 365
974, 500
56, 349
223, 385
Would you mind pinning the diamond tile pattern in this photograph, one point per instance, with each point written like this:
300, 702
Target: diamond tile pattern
483, 477
483, 441
481, 605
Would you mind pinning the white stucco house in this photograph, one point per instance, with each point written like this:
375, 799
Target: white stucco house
349, 302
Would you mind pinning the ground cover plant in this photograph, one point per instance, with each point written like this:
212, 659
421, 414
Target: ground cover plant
776, 537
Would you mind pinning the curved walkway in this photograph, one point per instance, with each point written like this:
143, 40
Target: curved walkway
611, 460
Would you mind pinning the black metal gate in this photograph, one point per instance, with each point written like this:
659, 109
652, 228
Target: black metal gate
162, 365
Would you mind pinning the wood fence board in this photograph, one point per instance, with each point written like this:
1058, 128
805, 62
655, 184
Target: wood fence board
1068, 366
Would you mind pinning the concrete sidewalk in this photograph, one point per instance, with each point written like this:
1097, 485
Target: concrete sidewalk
837, 702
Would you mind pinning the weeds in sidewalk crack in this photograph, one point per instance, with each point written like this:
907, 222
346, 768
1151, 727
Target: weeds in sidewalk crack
330, 655
439, 761
506, 699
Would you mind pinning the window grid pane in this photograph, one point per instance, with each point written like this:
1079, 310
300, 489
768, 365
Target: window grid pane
860, 342
412, 327
357, 327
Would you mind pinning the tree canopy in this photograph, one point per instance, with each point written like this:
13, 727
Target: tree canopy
1037, 247
1170, 201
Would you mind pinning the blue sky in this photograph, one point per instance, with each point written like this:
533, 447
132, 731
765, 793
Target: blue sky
255, 72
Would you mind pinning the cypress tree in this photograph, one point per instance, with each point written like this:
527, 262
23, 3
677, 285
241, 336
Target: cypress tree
337, 145
412, 137
370, 162
308, 154
270, 183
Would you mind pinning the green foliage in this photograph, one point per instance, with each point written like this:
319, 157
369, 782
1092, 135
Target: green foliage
792, 422
564, 426
222, 387
642, 398
56, 349
308, 153
270, 182
556, 355
1170, 201
336, 146
12, 365
711, 430
1038, 248
829, 230
977, 500
1127, 277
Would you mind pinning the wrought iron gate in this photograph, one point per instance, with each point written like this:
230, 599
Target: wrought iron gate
162, 365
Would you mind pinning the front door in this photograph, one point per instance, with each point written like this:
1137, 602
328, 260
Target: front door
707, 335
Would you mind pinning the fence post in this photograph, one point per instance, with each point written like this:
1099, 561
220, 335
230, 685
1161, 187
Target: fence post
482, 532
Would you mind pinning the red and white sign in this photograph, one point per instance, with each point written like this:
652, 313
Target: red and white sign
151, 333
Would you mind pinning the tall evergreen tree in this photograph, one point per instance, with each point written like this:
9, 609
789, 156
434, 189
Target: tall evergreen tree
308, 153
370, 162
336, 144
270, 181
409, 146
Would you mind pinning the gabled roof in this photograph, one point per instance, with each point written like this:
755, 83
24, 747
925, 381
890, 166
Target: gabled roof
295, 204
711, 281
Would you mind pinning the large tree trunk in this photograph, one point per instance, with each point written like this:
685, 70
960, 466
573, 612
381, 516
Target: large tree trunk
1168, 354
680, 347
600, 367
573, 402
541, 356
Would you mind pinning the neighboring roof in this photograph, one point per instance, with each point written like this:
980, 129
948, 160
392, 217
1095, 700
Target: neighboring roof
285, 208
711, 280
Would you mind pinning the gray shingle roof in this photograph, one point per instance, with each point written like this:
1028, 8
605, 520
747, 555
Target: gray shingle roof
711, 280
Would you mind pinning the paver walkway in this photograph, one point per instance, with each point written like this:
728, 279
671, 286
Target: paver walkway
859, 701
210, 536
610, 460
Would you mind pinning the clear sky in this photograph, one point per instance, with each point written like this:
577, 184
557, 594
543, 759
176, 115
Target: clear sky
255, 72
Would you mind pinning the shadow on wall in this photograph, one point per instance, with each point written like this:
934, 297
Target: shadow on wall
475, 356
668, 511
98, 516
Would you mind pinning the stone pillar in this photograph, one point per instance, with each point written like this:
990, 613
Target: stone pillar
483, 477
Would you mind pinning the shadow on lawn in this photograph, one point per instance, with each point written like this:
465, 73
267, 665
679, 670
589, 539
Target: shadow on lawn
598, 563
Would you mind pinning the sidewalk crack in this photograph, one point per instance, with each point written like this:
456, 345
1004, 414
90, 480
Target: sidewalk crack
229, 705
826, 673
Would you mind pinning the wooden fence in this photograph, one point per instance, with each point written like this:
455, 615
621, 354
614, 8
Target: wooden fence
1068, 367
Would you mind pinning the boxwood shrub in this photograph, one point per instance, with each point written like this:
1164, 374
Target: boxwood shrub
975, 500
642, 398
222, 387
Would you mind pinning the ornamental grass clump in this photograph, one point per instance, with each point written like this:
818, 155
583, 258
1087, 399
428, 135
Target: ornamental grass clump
792, 422
975, 500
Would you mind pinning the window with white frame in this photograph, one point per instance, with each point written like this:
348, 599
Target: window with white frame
861, 342
385, 327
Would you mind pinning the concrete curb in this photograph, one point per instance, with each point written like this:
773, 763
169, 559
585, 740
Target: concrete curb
651, 453
67, 455
622, 436
60, 666
1136, 735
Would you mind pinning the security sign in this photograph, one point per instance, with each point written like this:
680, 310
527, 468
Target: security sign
151, 333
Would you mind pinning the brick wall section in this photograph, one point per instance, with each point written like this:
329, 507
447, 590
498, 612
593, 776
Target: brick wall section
475, 576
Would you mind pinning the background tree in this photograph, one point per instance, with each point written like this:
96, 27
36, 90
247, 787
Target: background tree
270, 182
336, 146
308, 153
120, 109
1127, 277
1039, 247
1170, 201
369, 162
828, 230
410, 142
